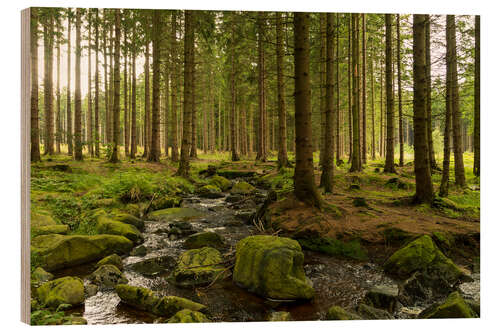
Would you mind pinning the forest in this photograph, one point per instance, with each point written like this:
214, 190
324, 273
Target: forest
214, 166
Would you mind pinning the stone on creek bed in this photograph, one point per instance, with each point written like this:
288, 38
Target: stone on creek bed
382, 297
198, 267
338, 313
188, 316
153, 266
177, 213
107, 277
205, 238
210, 192
106, 225
272, 267
113, 259
369, 312
146, 300
59, 251
453, 307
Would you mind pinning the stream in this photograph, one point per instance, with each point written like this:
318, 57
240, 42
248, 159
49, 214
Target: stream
336, 281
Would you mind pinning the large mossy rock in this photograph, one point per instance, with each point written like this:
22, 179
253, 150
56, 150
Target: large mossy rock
202, 239
43, 224
65, 290
188, 316
177, 213
422, 255
198, 267
221, 182
272, 267
59, 251
107, 277
113, 259
210, 192
40, 276
127, 218
338, 313
243, 188
146, 300
106, 225
165, 202
453, 307
369, 312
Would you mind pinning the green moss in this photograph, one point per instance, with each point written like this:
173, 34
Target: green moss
202, 239
113, 259
221, 182
396, 235
107, 276
453, 307
209, 191
335, 247
39, 275
106, 225
58, 251
338, 313
188, 316
166, 202
50, 229
271, 267
243, 188
127, 218
198, 267
65, 290
170, 214
280, 316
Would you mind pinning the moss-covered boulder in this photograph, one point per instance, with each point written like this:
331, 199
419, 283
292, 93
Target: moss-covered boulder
106, 225
198, 267
338, 313
272, 267
65, 290
139, 251
453, 307
107, 277
153, 266
41, 219
127, 218
39, 276
210, 192
279, 316
335, 247
188, 316
221, 182
205, 238
43, 224
60, 251
165, 202
146, 300
369, 312
233, 174
382, 297
243, 188
423, 255
113, 259
61, 229
177, 213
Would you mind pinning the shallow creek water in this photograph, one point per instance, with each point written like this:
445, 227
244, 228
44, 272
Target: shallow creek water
336, 281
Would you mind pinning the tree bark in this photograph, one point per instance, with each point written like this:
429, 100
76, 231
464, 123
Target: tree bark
133, 103
261, 139
58, 90
304, 186
174, 75
116, 88
126, 129
282, 150
445, 176
154, 155
428, 104
34, 121
96, 98
234, 150
188, 92
48, 46
356, 154
389, 156
90, 144
372, 93
363, 94
400, 103
328, 144
147, 105
424, 190
69, 121
78, 93
477, 95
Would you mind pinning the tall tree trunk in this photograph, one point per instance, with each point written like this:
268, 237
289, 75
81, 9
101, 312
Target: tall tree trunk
48, 97
322, 86
194, 134
34, 121
147, 105
116, 88
477, 95
133, 104
96, 98
328, 166
400, 102
212, 112
261, 143
69, 121
109, 115
174, 75
78, 93
372, 93
188, 91
304, 185
126, 129
90, 144
381, 138
428, 107
356, 154
337, 94
154, 155
389, 156
363, 94
456, 113
424, 190
349, 82
58, 90
282, 151
445, 176
105, 123
234, 151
